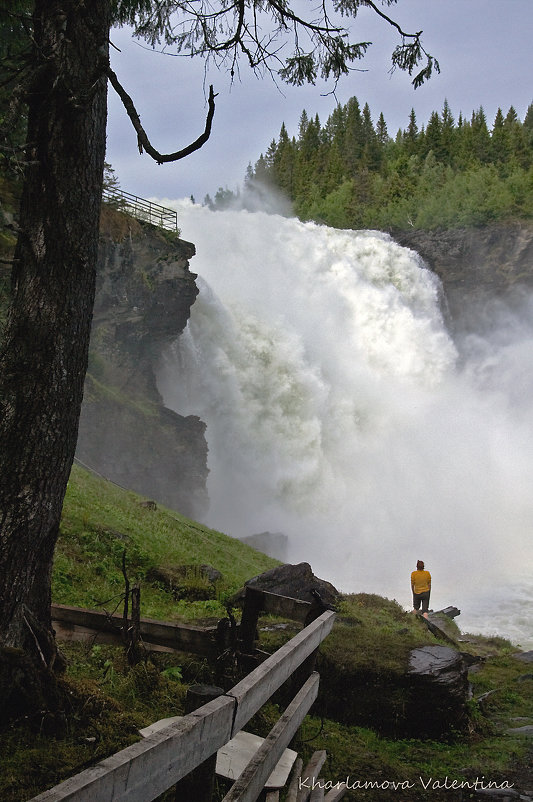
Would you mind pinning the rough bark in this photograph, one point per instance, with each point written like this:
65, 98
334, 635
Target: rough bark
44, 353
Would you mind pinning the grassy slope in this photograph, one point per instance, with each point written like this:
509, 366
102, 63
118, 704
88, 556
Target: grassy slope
100, 521
110, 700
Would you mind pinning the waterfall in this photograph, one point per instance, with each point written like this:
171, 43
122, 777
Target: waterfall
341, 412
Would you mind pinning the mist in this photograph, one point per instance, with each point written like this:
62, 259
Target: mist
341, 411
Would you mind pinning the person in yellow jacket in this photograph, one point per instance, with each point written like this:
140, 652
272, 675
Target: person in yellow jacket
421, 587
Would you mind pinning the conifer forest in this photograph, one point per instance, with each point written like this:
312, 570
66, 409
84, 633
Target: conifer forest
351, 173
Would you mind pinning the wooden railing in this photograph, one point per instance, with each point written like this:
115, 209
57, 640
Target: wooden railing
145, 770
142, 209
79, 624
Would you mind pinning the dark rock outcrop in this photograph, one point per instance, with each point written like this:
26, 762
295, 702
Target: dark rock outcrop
427, 698
439, 690
297, 582
475, 264
144, 294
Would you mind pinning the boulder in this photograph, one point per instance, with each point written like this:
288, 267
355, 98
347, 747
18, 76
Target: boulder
525, 657
439, 690
297, 582
525, 732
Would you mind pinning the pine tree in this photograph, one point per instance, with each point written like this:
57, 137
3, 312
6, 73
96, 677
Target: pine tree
447, 137
372, 151
481, 136
284, 162
500, 139
381, 130
354, 137
411, 136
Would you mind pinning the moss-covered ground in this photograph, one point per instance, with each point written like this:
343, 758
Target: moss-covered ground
109, 700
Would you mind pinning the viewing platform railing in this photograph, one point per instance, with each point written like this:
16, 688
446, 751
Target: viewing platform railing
142, 209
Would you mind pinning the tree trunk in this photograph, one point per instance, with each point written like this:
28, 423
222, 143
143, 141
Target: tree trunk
44, 354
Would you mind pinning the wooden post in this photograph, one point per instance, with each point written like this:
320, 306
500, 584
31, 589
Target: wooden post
200, 783
253, 604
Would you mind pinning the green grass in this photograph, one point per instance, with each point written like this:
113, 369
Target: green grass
101, 521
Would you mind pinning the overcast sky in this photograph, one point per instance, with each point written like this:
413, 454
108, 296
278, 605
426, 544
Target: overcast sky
484, 48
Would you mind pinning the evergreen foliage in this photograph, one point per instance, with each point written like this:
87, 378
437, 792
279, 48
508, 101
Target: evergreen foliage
350, 173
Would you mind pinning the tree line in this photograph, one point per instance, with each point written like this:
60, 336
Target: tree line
350, 173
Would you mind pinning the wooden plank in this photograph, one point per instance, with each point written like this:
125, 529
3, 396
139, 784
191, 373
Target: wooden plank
295, 779
310, 775
144, 770
252, 780
256, 688
73, 632
272, 796
285, 607
335, 794
317, 794
253, 604
179, 637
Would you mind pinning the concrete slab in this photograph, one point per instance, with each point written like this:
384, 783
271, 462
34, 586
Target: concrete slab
233, 758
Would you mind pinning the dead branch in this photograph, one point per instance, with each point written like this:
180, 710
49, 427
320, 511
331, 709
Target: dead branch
142, 138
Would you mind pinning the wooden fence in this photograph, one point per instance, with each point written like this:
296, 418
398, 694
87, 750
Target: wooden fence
79, 624
142, 209
143, 771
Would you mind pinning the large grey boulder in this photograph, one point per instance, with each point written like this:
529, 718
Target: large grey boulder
439, 690
297, 582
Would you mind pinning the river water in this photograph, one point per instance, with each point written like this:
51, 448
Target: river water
341, 411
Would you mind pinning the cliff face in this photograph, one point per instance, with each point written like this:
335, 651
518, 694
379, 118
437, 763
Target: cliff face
475, 264
144, 294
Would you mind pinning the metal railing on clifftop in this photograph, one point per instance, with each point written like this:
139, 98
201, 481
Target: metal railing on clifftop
142, 209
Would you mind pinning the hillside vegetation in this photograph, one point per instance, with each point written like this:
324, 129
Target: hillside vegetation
350, 173
110, 699
101, 521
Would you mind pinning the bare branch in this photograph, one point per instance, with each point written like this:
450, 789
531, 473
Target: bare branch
142, 138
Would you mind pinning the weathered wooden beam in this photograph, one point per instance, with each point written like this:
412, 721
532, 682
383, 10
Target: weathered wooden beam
272, 796
310, 776
252, 780
73, 632
178, 637
144, 770
253, 604
255, 689
317, 794
295, 780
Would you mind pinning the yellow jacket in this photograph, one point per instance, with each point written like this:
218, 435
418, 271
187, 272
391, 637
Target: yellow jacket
420, 581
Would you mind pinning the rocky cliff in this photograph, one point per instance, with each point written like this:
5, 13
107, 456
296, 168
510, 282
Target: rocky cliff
144, 294
475, 264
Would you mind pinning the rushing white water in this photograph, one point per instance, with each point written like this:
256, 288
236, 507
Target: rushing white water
340, 412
